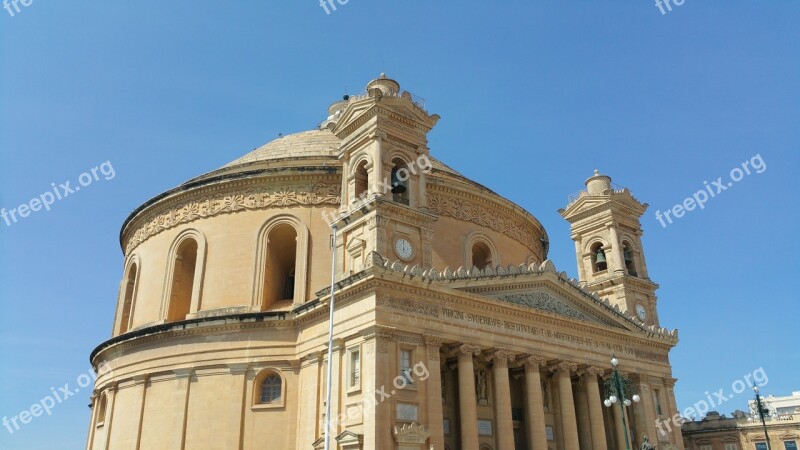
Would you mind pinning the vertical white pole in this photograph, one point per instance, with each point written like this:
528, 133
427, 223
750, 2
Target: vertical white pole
330, 348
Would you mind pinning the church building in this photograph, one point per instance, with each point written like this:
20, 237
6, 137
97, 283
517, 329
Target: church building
452, 329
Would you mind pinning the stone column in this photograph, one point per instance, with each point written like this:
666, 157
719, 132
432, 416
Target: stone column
595, 408
377, 164
433, 388
648, 414
502, 398
582, 414
677, 438
238, 374
140, 381
534, 406
308, 405
616, 259
620, 431
183, 380
466, 396
108, 422
569, 425
581, 261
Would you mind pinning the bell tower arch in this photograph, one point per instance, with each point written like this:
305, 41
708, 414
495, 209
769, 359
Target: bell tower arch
385, 158
605, 225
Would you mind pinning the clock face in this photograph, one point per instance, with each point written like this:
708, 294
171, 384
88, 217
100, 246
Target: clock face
403, 249
641, 312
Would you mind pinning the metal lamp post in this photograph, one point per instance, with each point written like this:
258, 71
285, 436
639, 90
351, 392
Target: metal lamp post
761, 411
619, 390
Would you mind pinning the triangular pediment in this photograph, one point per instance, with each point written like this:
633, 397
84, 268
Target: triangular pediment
551, 302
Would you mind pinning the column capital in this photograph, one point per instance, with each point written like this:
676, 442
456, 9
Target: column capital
563, 367
378, 134
463, 349
433, 341
591, 371
500, 355
533, 362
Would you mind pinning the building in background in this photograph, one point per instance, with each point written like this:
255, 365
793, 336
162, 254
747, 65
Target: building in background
452, 329
744, 431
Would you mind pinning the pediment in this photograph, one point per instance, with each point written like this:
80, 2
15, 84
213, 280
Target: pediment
554, 302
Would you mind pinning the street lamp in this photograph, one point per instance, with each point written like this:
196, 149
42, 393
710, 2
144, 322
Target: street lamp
619, 390
762, 410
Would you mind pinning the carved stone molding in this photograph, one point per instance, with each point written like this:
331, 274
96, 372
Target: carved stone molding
433, 344
468, 348
501, 355
263, 197
532, 363
378, 338
563, 367
408, 305
487, 216
593, 371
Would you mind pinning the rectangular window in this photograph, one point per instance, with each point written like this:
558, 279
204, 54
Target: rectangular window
354, 363
761, 446
405, 365
790, 445
731, 447
705, 447
657, 401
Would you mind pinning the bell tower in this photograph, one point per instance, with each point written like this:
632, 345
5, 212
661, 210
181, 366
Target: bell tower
385, 160
605, 226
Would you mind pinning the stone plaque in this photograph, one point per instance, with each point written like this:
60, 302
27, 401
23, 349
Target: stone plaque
407, 412
484, 427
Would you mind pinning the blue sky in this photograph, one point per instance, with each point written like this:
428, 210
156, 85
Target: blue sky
533, 97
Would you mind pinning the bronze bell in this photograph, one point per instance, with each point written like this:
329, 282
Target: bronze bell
398, 186
628, 255
600, 257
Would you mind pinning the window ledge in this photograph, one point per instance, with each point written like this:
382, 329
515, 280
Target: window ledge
263, 406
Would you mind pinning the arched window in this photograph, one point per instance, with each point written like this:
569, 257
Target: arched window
129, 287
481, 255
270, 389
183, 280
361, 181
480, 252
400, 176
599, 262
630, 262
100, 417
281, 264
279, 278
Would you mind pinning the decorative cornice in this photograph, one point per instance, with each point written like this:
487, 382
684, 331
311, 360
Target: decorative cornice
205, 205
487, 215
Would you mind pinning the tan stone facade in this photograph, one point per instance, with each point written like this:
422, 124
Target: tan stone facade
716, 432
452, 329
